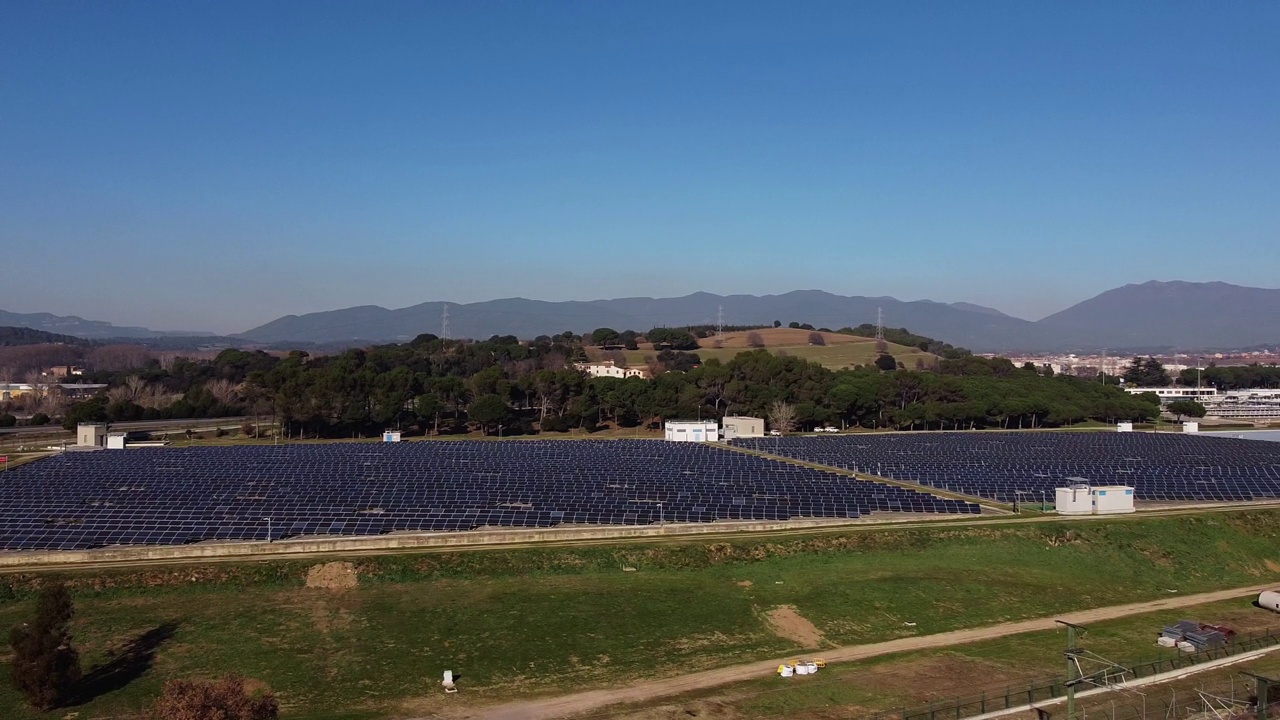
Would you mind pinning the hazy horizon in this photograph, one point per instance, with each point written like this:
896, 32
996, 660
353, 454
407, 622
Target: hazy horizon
215, 167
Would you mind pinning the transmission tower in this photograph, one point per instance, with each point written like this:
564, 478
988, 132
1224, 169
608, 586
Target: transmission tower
444, 322
880, 324
720, 324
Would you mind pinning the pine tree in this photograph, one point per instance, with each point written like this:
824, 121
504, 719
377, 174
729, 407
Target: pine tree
46, 667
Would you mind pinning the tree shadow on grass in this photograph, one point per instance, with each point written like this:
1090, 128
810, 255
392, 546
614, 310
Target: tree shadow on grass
129, 664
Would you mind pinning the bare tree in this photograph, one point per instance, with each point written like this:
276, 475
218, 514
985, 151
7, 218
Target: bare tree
782, 416
817, 338
755, 340
655, 368
39, 389
118, 357
224, 391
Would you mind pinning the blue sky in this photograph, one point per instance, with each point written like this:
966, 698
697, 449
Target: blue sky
215, 165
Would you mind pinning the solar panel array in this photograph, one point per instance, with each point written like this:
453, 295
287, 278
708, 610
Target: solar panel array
165, 496
998, 466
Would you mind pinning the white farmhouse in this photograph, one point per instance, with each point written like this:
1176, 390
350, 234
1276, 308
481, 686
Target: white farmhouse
609, 368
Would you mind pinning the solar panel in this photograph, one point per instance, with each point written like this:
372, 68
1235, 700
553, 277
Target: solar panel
1029, 466
164, 496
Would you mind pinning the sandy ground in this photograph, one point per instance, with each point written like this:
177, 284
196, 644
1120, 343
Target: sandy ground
787, 622
332, 576
583, 702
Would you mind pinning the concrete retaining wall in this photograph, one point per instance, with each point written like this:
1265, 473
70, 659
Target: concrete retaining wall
302, 546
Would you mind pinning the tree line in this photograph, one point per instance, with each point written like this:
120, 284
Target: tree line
502, 386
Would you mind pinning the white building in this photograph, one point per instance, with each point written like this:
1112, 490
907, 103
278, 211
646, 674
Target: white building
691, 430
1253, 404
91, 435
609, 368
390, 436
117, 440
736, 426
1081, 499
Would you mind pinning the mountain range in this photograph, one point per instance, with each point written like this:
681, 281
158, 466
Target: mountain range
1151, 315
79, 327
1148, 316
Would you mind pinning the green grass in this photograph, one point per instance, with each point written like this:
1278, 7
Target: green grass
513, 622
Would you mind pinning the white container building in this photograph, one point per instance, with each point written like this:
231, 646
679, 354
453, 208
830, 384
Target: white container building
691, 431
1190, 427
1074, 500
1124, 427
736, 426
391, 436
1112, 499
116, 440
1081, 499
1270, 599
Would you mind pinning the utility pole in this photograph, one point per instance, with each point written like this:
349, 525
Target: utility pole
444, 322
1073, 664
720, 325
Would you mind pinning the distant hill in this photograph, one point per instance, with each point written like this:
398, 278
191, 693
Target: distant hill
79, 327
530, 318
1151, 316
13, 336
1171, 315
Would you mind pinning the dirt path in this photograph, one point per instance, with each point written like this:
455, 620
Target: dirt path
569, 705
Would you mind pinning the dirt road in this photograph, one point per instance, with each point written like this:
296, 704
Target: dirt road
569, 705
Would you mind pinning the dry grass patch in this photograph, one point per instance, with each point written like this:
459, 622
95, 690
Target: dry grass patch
332, 576
787, 622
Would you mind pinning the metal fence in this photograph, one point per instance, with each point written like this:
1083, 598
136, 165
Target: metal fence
1006, 698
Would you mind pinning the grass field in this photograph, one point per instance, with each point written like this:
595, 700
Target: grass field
993, 668
839, 352
514, 623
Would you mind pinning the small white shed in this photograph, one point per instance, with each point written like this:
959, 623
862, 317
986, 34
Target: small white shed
391, 436
1124, 427
116, 440
691, 431
1269, 599
1190, 427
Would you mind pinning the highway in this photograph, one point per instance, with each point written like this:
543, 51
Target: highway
181, 424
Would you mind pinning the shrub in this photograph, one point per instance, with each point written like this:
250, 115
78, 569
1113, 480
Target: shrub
226, 699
